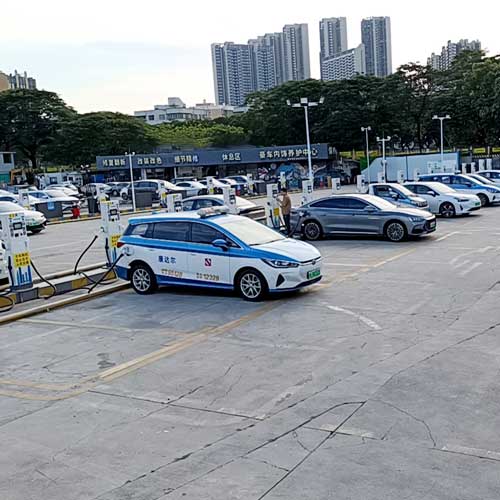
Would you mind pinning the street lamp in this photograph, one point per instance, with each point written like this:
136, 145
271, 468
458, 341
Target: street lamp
442, 119
366, 130
306, 104
384, 163
130, 155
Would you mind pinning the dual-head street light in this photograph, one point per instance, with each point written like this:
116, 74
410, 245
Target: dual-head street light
366, 130
306, 104
442, 119
383, 141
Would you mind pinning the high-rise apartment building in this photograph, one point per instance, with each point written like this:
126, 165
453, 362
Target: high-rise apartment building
332, 38
297, 63
261, 64
16, 81
376, 37
345, 65
233, 73
449, 52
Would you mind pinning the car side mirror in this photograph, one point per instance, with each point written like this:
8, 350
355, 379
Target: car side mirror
430, 193
220, 243
394, 196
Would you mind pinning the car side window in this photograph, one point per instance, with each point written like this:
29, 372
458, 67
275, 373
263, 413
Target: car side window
188, 205
355, 204
172, 231
331, 203
205, 234
205, 203
138, 230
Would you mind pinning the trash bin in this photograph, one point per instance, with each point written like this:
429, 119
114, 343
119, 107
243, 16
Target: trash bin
143, 199
260, 187
51, 209
93, 205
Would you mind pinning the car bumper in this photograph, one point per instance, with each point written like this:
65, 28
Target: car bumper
429, 226
466, 208
292, 279
36, 226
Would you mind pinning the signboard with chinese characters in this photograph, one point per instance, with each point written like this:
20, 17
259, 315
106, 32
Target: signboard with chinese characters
209, 157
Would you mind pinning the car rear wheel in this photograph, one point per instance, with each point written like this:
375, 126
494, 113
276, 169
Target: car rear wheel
143, 280
312, 230
484, 199
252, 285
447, 209
395, 231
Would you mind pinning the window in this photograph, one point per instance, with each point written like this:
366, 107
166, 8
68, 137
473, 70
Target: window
205, 203
201, 233
7, 158
188, 205
332, 203
138, 230
173, 231
383, 191
355, 204
151, 118
445, 179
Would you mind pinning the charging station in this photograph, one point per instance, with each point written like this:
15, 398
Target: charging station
14, 235
381, 177
401, 177
307, 192
283, 180
174, 203
360, 183
336, 185
229, 195
162, 194
250, 184
111, 228
272, 207
24, 198
210, 185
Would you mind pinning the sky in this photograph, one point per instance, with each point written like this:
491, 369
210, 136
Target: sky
128, 55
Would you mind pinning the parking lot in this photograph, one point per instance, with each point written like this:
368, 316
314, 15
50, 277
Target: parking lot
380, 382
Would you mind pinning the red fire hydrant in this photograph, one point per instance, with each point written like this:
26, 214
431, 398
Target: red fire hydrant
75, 212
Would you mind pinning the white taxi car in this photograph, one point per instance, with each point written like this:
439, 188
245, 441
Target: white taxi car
444, 200
211, 248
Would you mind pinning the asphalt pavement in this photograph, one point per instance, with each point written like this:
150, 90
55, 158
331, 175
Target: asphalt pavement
379, 383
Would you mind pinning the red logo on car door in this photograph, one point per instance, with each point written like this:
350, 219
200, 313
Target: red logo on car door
208, 262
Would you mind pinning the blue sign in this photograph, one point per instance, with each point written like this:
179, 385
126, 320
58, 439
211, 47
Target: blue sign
207, 157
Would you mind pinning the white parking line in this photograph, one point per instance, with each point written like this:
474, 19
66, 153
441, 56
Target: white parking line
346, 265
448, 235
470, 269
367, 321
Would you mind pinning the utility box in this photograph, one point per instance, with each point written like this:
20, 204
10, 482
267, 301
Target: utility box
143, 199
51, 209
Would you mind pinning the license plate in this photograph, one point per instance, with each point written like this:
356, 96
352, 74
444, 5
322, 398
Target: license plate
432, 224
313, 274
477, 204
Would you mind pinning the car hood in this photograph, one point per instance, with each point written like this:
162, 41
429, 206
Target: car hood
465, 196
413, 212
417, 198
291, 249
33, 214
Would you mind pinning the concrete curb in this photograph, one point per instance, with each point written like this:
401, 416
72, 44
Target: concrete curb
62, 303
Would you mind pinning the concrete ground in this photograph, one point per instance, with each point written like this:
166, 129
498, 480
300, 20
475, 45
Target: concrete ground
379, 383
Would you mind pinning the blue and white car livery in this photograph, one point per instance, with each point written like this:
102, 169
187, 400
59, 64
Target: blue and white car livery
487, 193
215, 250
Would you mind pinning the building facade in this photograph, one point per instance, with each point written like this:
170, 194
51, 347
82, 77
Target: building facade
345, 65
332, 38
16, 81
449, 52
376, 37
6, 166
261, 64
176, 111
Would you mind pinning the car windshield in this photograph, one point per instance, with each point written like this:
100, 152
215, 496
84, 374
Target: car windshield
7, 206
55, 193
250, 232
482, 179
441, 188
404, 190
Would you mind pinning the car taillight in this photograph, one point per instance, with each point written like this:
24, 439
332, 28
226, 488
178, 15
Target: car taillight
119, 244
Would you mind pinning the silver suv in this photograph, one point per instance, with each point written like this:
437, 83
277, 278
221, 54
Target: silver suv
360, 214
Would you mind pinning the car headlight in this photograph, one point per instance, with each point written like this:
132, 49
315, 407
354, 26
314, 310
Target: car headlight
417, 219
280, 264
462, 200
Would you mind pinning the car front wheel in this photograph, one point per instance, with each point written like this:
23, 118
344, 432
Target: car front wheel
252, 285
143, 280
312, 230
395, 231
447, 210
484, 199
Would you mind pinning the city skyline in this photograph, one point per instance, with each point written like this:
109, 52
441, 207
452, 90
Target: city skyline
116, 61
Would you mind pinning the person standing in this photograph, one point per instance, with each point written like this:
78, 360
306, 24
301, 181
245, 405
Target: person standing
286, 209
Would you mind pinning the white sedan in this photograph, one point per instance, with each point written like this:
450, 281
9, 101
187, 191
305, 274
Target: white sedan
193, 188
492, 175
444, 200
217, 200
35, 221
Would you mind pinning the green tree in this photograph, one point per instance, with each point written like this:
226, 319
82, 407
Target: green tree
30, 121
83, 137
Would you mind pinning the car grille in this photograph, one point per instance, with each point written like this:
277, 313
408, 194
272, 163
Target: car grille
311, 262
430, 224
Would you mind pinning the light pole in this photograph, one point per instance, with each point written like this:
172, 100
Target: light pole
442, 119
130, 155
384, 164
366, 130
306, 104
